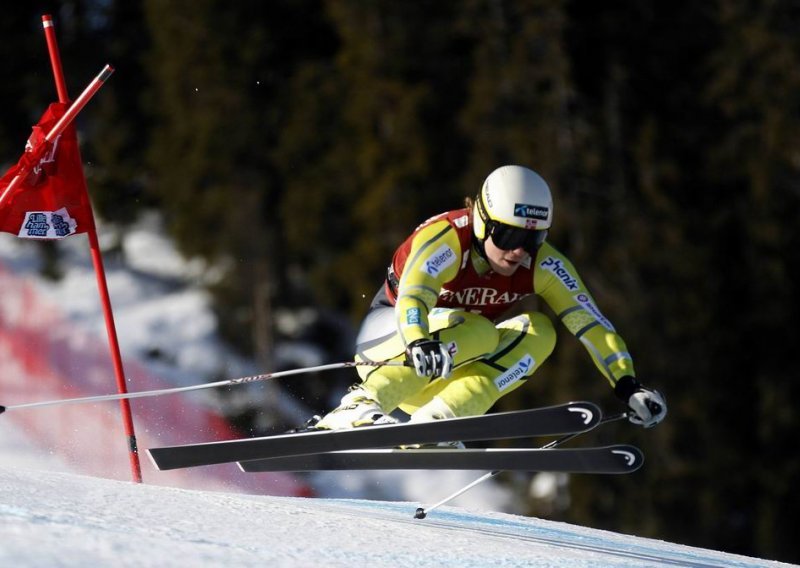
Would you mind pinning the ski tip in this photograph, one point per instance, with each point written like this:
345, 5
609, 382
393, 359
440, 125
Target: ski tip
631, 456
420, 514
589, 413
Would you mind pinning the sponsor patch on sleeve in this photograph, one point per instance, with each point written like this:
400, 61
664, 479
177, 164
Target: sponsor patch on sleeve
554, 265
588, 305
439, 260
412, 316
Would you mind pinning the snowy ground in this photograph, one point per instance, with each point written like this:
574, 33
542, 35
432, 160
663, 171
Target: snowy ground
160, 308
52, 516
61, 519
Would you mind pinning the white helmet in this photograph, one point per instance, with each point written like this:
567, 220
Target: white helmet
514, 207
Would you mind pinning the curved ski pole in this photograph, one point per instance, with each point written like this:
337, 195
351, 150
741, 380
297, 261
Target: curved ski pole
227, 382
422, 512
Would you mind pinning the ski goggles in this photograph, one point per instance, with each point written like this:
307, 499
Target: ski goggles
507, 237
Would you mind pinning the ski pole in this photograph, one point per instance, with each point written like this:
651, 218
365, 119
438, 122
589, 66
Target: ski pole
227, 382
422, 512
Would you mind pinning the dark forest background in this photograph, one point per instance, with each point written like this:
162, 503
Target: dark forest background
295, 143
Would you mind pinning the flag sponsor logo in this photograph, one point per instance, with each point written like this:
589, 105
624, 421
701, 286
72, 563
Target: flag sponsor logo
44, 195
47, 225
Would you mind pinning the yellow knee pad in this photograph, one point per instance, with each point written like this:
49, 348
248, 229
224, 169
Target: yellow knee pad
469, 336
533, 331
524, 344
391, 385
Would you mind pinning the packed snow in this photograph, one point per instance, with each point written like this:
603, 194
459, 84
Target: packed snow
164, 321
50, 518
54, 514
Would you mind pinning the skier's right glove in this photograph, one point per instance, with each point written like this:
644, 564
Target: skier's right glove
430, 358
648, 406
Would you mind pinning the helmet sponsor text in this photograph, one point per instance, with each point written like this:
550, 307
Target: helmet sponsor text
531, 211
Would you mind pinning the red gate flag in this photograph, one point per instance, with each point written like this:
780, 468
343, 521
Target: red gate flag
51, 201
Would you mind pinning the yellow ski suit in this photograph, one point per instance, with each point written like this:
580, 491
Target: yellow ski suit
439, 286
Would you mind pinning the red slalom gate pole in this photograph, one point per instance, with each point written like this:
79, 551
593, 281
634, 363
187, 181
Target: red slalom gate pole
99, 269
36, 153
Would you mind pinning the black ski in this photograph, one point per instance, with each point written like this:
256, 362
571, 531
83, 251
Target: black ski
555, 420
610, 459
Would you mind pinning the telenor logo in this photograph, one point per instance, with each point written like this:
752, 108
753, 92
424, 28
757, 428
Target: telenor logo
531, 211
443, 257
515, 373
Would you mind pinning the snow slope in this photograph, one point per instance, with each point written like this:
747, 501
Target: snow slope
62, 519
161, 309
51, 516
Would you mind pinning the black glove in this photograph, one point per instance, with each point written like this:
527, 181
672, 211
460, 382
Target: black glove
430, 358
648, 406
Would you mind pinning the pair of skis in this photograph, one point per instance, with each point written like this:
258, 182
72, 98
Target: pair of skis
375, 447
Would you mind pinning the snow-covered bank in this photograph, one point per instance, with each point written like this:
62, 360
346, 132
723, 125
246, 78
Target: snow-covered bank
49, 516
61, 519
165, 323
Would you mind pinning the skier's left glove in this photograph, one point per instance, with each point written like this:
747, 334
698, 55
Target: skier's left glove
648, 406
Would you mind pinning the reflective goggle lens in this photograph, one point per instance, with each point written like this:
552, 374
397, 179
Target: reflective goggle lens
506, 237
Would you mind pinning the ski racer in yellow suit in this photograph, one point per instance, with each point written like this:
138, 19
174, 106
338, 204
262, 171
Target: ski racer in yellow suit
441, 310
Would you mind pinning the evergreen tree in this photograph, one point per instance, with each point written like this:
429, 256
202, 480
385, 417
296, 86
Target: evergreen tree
217, 72
294, 143
358, 146
754, 90
115, 153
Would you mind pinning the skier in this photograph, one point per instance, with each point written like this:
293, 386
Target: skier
443, 311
